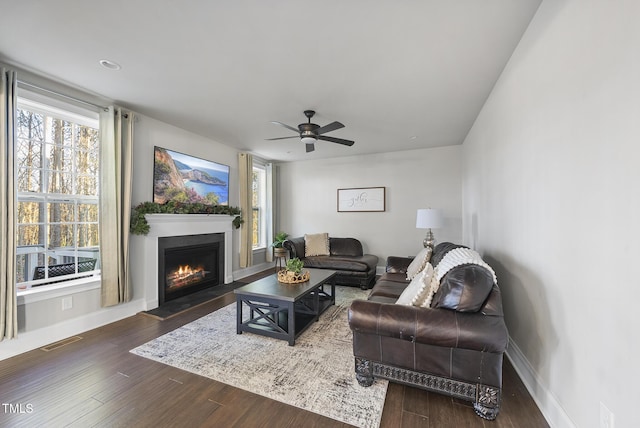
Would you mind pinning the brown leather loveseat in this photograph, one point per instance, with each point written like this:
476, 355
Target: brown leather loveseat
454, 346
345, 255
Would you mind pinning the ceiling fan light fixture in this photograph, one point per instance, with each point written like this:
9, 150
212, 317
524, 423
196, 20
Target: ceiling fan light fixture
310, 133
308, 140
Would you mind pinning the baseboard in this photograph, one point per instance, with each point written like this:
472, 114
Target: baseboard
547, 403
30, 340
252, 270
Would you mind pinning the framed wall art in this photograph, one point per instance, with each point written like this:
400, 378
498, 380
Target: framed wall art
361, 199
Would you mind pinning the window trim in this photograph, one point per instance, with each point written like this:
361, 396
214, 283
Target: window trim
63, 109
62, 289
47, 106
262, 246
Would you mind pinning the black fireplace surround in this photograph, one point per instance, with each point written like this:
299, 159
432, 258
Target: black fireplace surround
189, 263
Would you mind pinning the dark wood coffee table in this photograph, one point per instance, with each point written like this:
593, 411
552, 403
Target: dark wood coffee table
284, 311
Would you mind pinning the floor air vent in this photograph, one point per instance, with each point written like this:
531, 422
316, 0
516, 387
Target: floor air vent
60, 343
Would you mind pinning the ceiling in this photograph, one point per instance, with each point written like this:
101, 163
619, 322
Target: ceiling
399, 75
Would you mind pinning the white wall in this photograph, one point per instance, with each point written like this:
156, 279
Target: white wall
150, 132
551, 171
413, 179
42, 320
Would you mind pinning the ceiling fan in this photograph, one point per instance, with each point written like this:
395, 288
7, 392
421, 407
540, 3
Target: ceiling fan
309, 132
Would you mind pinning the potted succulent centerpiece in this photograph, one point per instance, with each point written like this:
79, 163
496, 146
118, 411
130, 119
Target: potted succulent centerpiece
293, 272
295, 265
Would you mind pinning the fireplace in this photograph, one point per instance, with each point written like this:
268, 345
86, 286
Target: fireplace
145, 251
189, 263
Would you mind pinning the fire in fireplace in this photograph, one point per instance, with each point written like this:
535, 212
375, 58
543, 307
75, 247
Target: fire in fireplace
185, 276
187, 264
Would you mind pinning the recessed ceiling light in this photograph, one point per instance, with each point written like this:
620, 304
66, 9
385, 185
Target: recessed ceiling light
413, 137
106, 63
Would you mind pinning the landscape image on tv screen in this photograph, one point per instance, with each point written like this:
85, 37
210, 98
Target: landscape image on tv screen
183, 178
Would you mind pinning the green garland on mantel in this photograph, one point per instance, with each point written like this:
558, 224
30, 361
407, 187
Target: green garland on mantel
139, 225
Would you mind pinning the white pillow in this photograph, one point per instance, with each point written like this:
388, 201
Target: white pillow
418, 263
430, 285
316, 244
412, 289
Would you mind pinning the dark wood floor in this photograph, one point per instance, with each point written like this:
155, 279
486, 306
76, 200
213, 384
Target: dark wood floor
95, 381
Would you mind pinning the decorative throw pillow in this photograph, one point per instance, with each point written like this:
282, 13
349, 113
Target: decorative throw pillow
412, 289
425, 290
316, 244
434, 285
418, 263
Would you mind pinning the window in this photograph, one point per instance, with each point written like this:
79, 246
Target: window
259, 198
57, 160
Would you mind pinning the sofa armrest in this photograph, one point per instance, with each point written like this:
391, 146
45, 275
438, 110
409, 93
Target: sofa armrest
345, 247
397, 264
438, 327
295, 247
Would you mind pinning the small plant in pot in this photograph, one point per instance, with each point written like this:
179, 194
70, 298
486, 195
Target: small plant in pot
295, 265
293, 274
278, 241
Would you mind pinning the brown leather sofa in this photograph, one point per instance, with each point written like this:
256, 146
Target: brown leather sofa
450, 348
346, 257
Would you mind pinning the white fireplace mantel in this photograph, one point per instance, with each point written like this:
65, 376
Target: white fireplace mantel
164, 225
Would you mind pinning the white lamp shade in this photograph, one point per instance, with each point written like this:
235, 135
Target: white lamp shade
428, 218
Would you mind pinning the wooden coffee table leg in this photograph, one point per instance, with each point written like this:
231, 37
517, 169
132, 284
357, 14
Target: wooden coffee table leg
316, 303
291, 319
238, 314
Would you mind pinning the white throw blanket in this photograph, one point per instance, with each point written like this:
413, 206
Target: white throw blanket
460, 256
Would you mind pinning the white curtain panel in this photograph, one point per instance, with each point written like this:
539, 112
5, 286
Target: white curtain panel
116, 160
245, 164
8, 302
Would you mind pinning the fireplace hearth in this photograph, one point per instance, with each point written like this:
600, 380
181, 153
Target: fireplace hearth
188, 264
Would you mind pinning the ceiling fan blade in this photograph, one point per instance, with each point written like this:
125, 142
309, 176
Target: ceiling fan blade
330, 127
336, 140
282, 138
285, 125
310, 147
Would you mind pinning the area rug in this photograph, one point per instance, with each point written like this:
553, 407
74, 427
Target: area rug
317, 374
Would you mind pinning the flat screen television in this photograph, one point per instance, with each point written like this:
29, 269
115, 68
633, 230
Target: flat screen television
183, 178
